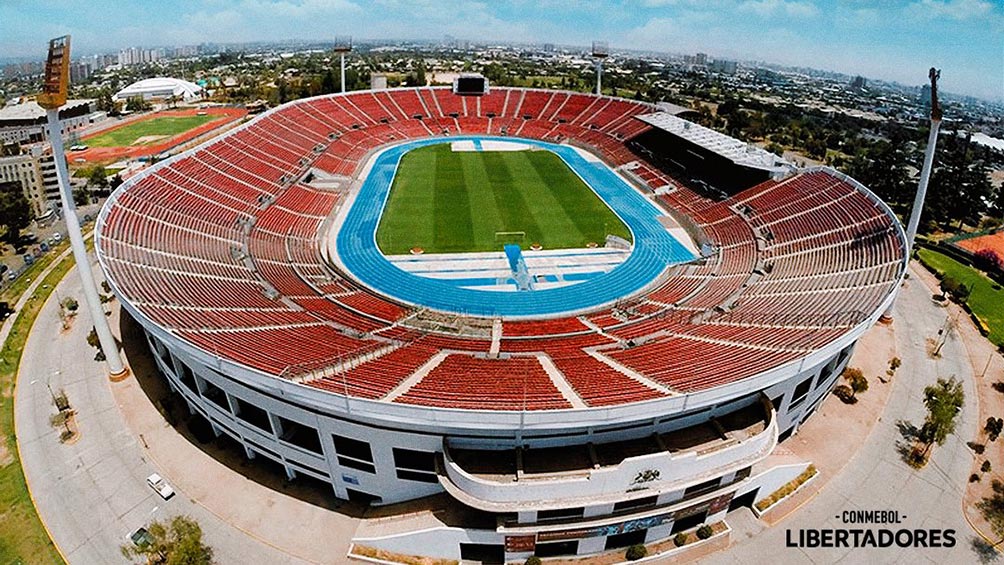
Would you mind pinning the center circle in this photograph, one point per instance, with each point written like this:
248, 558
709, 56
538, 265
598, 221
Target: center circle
519, 282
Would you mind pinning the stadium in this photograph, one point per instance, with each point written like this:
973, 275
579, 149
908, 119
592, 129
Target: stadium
585, 320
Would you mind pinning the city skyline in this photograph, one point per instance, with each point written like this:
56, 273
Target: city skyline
895, 41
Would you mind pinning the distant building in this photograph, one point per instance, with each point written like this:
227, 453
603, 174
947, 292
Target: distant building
859, 83
25, 123
35, 173
723, 66
925, 95
160, 88
81, 70
701, 59
378, 82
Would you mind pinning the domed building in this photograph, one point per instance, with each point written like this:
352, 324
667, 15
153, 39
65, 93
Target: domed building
160, 88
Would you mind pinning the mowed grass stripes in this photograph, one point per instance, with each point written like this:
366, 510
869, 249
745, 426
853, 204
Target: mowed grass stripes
451, 202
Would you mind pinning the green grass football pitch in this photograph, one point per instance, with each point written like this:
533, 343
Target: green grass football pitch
167, 126
450, 202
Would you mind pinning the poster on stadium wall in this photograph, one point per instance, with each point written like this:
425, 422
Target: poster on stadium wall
519, 544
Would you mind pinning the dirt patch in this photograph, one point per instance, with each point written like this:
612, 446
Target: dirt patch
6, 458
147, 139
993, 241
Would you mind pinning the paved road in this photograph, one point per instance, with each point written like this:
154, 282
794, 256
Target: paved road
92, 494
877, 478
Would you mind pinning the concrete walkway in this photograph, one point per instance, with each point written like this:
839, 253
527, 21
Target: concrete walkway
876, 478
92, 493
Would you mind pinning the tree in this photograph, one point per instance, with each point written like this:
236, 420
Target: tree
943, 400
137, 104
328, 82
81, 196
176, 543
960, 186
15, 214
98, 177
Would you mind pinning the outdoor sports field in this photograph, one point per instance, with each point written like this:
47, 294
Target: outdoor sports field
154, 129
449, 202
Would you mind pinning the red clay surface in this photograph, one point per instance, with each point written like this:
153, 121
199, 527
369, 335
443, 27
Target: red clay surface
108, 154
993, 241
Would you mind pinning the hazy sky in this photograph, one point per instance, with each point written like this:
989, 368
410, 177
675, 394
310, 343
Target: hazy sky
889, 39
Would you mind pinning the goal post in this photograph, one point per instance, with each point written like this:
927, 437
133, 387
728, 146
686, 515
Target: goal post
504, 237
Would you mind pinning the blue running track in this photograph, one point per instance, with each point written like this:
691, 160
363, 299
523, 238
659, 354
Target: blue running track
654, 248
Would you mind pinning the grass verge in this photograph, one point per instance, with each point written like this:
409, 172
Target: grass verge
986, 298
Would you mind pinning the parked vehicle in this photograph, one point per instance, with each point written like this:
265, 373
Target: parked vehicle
158, 484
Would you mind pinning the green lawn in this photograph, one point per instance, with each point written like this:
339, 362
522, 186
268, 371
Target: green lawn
164, 125
449, 202
987, 297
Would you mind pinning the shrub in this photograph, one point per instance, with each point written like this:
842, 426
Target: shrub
977, 448
705, 531
958, 290
988, 260
985, 467
994, 427
998, 386
844, 393
532, 560
71, 305
974, 478
636, 552
680, 539
894, 364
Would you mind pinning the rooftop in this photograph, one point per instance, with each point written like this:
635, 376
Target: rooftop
737, 151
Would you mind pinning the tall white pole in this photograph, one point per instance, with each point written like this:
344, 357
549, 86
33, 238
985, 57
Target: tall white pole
112, 358
599, 76
925, 177
343, 72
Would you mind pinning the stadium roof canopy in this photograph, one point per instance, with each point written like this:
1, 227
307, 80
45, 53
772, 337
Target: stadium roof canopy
30, 112
738, 152
160, 87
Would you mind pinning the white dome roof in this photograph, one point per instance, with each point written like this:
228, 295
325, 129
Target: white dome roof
160, 87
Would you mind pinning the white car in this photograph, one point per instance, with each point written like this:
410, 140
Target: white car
158, 484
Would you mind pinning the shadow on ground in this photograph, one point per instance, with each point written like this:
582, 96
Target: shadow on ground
985, 553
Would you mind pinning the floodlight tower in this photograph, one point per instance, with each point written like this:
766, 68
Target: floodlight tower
925, 172
600, 51
343, 45
57, 69
925, 175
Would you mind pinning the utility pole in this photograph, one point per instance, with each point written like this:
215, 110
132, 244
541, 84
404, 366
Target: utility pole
53, 96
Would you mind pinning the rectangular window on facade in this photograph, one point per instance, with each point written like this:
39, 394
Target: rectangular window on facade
702, 488
300, 435
636, 504
186, 376
801, 391
417, 476
216, 395
353, 448
560, 514
253, 415
354, 454
416, 460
